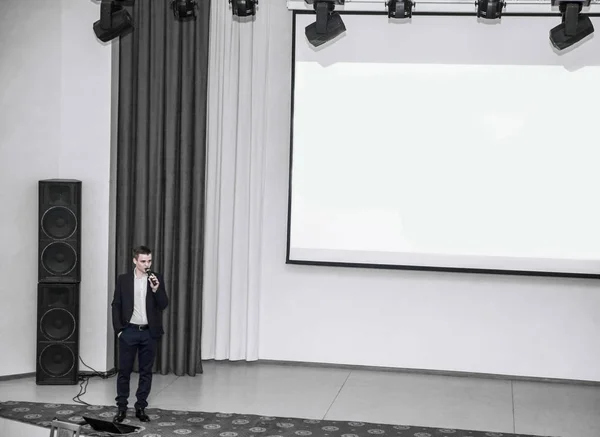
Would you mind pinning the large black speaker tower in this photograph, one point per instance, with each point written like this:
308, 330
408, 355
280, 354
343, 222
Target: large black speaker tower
59, 275
57, 334
59, 231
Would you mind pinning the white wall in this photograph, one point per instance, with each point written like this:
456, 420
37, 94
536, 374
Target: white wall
524, 326
29, 142
56, 100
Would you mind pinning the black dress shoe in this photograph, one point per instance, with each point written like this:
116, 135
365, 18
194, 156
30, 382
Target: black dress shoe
141, 414
120, 417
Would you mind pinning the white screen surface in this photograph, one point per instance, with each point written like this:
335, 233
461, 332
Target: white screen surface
446, 143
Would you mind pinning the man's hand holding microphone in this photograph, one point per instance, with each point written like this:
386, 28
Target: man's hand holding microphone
153, 280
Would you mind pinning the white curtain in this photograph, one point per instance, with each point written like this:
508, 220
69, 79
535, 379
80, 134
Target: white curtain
238, 112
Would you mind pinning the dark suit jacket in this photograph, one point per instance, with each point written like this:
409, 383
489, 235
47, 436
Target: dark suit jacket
122, 304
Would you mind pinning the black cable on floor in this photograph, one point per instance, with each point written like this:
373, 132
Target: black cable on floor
85, 379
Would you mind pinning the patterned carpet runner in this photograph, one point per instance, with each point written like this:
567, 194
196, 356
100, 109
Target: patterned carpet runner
173, 423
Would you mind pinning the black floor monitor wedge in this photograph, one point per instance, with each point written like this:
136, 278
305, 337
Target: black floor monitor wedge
111, 427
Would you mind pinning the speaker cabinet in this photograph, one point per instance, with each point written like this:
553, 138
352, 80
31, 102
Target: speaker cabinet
59, 231
57, 334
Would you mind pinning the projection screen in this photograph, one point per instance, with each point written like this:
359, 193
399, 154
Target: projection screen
446, 143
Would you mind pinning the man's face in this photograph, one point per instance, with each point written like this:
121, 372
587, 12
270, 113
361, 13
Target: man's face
143, 262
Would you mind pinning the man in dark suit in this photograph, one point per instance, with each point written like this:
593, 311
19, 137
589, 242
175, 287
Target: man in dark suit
137, 307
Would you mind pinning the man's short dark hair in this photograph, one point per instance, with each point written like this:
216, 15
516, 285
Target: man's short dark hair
141, 250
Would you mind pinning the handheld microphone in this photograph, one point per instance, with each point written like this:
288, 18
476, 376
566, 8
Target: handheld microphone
151, 276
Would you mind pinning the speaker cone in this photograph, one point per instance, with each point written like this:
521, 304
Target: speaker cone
59, 222
59, 258
57, 324
57, 360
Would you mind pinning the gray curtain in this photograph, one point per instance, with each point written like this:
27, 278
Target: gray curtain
161, 152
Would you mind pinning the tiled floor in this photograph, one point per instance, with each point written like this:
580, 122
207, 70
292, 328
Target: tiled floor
502, 406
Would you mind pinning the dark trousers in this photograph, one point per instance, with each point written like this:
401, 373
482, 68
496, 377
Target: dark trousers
132, 341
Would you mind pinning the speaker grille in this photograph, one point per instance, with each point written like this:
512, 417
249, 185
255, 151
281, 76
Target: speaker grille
56, 295
59, 192
59, 222
56, 360
59, 258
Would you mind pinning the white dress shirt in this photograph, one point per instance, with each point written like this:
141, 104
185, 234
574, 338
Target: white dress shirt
140, 287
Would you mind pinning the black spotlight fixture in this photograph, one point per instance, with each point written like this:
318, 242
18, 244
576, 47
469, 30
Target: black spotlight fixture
574, 26
243, 8
400, 8
114, 21
328, 25
183, 9
490, 9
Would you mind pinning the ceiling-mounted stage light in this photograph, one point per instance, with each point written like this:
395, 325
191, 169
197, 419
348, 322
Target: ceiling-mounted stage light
328, 25
183, 9
490, 9
400, 8
574, 26
243, 8
114, 21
